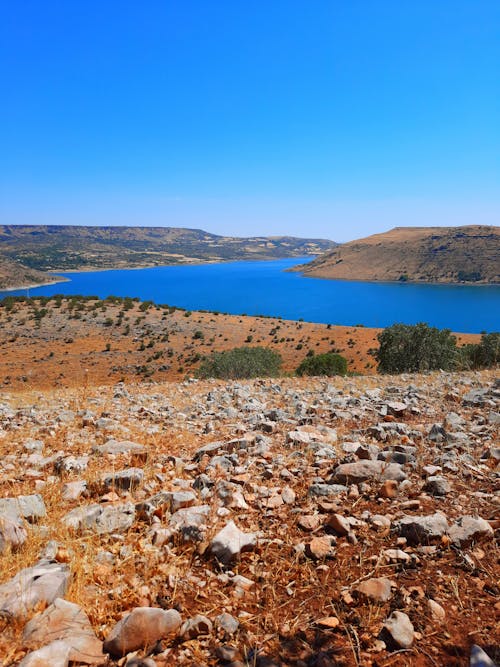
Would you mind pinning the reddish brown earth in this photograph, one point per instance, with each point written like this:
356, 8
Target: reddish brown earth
67, 346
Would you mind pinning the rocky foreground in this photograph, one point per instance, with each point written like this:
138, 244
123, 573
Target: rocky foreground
278, 522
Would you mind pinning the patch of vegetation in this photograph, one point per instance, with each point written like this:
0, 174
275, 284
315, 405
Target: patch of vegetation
485, 354
241, 363
406, 348
328, 363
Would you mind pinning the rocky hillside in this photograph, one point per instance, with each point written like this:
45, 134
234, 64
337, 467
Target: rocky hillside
14, 275
275, 522
68, 248
58, 341
418, 254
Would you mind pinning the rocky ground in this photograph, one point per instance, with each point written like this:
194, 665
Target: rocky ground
304, 522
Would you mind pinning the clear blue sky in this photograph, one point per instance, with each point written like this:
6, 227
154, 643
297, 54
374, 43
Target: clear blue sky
329, 118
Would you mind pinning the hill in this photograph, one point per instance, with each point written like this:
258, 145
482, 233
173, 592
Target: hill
14, 275
76, 248
67, 341
468, 254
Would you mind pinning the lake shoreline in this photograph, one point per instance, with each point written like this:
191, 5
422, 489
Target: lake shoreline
266, 288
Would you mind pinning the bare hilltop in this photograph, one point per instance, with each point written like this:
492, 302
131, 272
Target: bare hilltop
469, 254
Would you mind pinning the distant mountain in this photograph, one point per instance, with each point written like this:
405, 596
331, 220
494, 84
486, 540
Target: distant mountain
469, 254
72, 248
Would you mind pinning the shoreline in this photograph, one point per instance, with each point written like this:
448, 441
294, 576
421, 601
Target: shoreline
35, 285
395, 282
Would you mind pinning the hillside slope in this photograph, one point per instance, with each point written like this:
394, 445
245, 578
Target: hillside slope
14, 275
417, 254
68, 248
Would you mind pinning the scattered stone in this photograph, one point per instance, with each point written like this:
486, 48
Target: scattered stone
55, 654
101, 519
230, 542
436, 611
140, 629
125, 479
376, 589
309, 522
321, 547
40, 584
468, 529
116, 447
193, 627
400, 629
74, 490
437, 486
12, 533
27, 507
65, 621
361, 471
339, 524
330, 622
227, 623
422, 529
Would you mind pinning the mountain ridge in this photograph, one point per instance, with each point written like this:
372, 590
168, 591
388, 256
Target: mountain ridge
53, 248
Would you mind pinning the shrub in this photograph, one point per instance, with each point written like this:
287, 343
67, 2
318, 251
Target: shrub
481, 355
241, 362
415, 348
328, 363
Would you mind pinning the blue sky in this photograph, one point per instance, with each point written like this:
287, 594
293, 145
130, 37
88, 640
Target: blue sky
322, 118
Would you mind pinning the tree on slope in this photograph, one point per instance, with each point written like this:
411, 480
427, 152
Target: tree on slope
415, 348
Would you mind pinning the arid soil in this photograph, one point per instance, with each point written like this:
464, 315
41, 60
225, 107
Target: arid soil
418, 254
76, 343
359, 516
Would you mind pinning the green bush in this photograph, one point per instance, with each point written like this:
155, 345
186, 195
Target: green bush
481, 355
328, 363
415, 348
240, 363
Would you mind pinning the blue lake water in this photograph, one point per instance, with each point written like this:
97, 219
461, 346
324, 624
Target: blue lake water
265, 288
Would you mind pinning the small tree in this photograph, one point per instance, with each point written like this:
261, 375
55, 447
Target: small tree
328, 363
240, 363
415, 348
485, 354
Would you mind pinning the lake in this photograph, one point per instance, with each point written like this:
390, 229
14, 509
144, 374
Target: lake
265, 288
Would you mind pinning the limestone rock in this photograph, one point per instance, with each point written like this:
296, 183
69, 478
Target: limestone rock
12, 533
55, 654
437, 486
124, 479
28, 507
115, 447
193, 627
101, 519
422, 529
321, 547
227, 623
42, 583
230, 542
361, 471
67, 622
141, 628
468, 529
400, 629
376, 589
436, 611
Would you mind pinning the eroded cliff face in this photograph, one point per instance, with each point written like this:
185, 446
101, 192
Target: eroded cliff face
420, 254
270, 522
